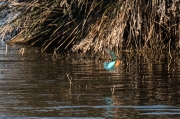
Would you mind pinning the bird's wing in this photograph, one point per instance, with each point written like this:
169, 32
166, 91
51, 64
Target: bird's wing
109, 65
113, 55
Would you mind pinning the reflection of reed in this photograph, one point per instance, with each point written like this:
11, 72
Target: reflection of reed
152, 80
140, 80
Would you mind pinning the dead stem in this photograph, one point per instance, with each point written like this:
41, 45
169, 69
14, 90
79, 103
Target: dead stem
70, 80
6, 50
117, 24
21, 51
55, 56
112, 90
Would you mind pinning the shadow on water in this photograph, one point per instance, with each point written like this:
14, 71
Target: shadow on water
33, 85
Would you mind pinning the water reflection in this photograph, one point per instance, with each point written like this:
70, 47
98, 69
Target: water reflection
34, 85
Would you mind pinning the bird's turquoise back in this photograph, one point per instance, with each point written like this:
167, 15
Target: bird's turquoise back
109, 65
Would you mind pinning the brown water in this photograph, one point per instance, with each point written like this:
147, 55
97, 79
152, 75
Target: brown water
35, 86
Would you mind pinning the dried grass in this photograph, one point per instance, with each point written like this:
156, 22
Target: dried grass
85, 25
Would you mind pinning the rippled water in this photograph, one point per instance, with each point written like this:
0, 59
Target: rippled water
35, 86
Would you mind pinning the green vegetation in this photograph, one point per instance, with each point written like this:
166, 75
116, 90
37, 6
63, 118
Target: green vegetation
82, 25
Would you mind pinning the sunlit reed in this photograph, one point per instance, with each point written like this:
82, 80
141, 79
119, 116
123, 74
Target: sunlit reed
84, 25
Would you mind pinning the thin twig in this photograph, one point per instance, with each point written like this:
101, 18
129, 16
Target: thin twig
70, 80
22, 51
112, 90
6, 50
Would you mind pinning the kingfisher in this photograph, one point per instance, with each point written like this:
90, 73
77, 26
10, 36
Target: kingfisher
112, 64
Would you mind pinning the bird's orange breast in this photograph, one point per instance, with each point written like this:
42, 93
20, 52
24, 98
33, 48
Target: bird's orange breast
118, 62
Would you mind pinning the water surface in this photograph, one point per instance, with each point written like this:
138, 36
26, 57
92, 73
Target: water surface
36, 86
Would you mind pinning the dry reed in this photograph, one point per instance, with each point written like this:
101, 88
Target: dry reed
83, 25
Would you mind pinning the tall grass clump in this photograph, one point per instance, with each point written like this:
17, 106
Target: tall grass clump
83, 25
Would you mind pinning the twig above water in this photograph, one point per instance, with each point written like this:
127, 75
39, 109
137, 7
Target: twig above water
70, 80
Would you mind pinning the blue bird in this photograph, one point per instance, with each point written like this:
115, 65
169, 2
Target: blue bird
112, 64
